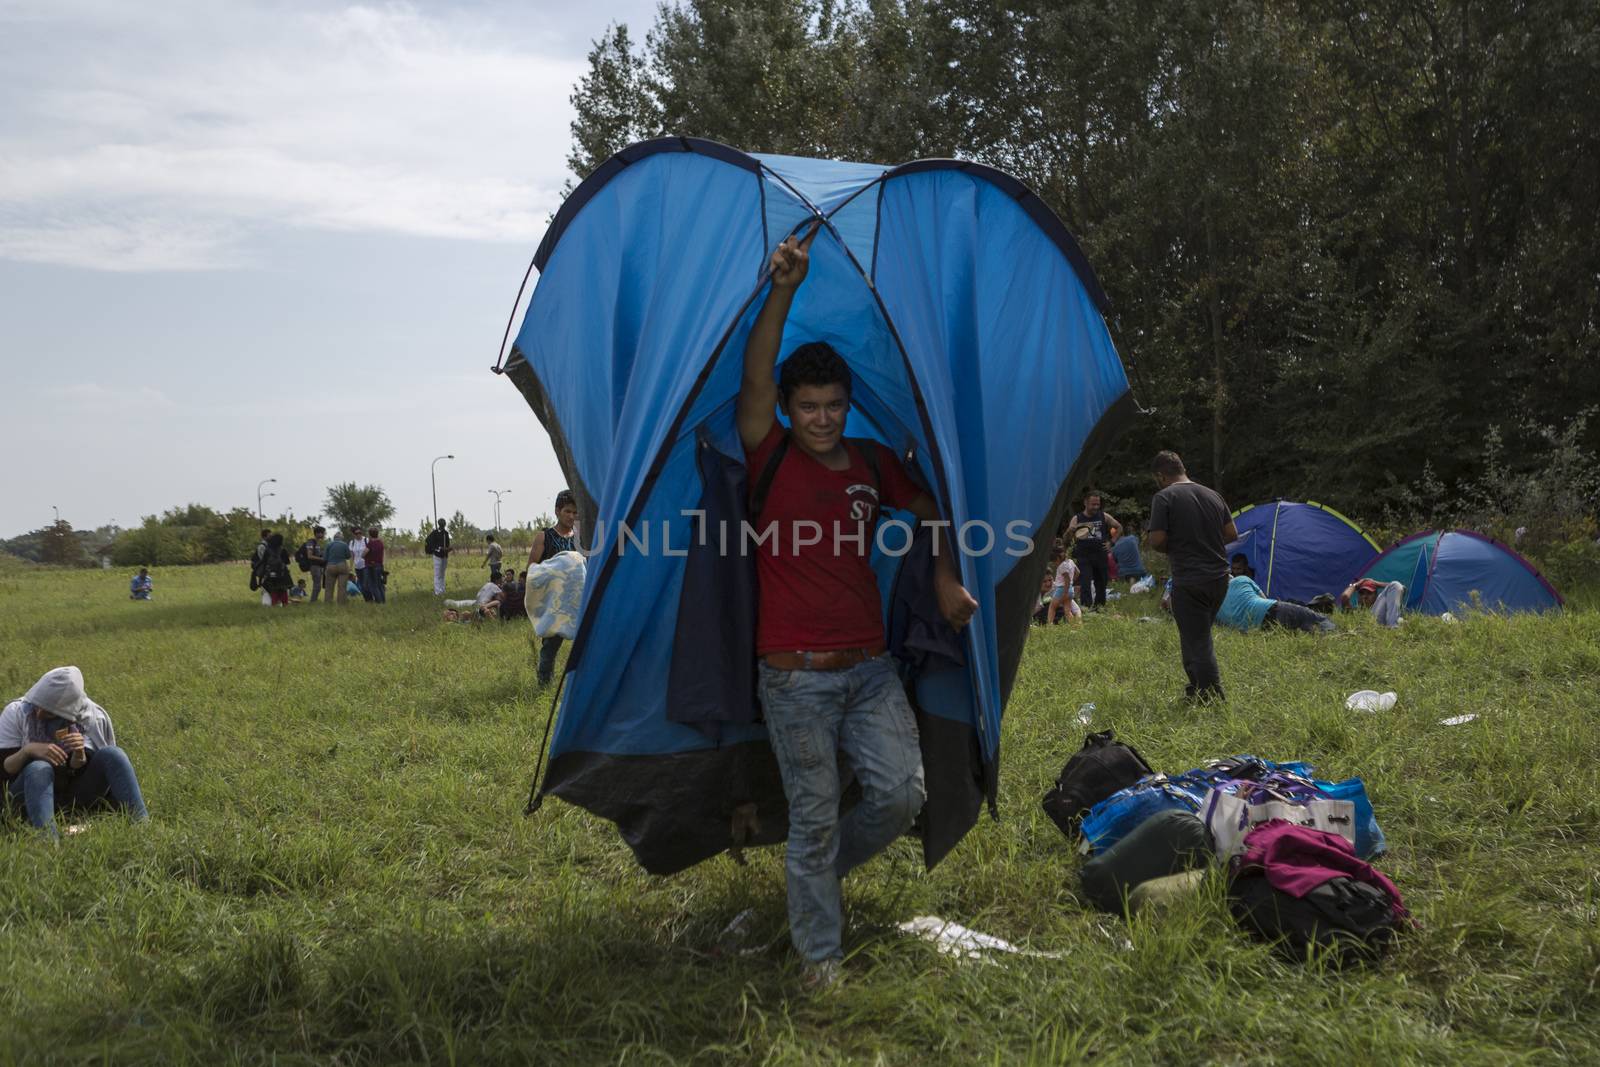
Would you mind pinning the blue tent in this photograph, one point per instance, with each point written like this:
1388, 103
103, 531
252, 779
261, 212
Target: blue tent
1459, 570
973, 326
1301, 550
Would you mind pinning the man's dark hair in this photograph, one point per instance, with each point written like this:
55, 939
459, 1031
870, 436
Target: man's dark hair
1090, 494
1168, 465
489, 538
319, 530
1239, 557
265, 534
441, 524
275, 541
813, 363
565, 499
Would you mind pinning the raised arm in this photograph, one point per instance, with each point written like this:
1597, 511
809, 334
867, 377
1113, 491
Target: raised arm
758, 391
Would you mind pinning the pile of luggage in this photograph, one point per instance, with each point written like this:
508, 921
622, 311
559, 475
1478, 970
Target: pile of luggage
1293, 848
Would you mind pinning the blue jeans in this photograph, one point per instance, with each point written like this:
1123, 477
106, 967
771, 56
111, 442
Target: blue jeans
811, 716
549, 648
374, 583
106, 780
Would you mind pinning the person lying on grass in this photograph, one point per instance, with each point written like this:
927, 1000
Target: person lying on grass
485, 605
1246, 608
58, 750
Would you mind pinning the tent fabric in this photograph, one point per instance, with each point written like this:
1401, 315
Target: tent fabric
975, 332
1462, 570
1299, 551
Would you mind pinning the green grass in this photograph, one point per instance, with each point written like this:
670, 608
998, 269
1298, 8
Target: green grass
338, 870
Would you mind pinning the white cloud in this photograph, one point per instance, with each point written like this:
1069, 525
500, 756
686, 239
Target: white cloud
166, 141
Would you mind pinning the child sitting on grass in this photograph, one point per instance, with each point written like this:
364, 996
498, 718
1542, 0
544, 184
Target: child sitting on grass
297, 593
58, 750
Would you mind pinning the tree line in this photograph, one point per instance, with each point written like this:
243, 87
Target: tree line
1352, 247
196, 533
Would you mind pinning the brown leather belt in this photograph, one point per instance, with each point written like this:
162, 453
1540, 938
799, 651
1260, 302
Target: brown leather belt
838, 659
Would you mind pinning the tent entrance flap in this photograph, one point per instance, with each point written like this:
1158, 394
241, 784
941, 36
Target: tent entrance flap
631, 354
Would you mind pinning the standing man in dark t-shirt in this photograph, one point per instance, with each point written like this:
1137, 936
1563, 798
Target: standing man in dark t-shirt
826, 682
1191, 524
1091, 531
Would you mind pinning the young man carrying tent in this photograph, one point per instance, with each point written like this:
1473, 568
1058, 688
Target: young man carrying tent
825, 681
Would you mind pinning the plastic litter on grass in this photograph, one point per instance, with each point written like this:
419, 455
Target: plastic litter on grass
953, 939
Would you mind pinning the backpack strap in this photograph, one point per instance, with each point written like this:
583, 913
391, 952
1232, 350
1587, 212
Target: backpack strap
758, 495
869, 452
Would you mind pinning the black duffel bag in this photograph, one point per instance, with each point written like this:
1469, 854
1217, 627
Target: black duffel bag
1103, 766
1351, 920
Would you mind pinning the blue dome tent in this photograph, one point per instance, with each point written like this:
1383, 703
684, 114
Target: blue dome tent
1299, 551
974, 328
1459, 570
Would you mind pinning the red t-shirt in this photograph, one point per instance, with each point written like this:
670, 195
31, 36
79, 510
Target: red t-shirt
816, 597
374, 551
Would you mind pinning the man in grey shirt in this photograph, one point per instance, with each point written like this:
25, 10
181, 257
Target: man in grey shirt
1191, 524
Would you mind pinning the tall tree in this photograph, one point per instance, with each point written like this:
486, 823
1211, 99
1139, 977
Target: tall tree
357, 507
1339, 239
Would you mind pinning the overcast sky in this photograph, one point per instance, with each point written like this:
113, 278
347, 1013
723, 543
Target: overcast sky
244, 240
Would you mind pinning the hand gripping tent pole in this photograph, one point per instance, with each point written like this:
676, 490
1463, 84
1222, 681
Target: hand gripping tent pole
975, 332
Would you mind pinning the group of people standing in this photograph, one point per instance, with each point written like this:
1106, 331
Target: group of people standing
348, 564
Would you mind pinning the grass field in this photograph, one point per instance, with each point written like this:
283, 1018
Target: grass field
338, 870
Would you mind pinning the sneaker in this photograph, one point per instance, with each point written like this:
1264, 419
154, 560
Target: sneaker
822, 974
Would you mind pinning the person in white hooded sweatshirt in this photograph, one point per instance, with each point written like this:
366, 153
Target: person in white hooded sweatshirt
59, 751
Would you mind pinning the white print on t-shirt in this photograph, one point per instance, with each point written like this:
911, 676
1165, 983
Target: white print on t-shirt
862, 509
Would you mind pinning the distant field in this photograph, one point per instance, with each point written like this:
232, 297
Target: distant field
338, 870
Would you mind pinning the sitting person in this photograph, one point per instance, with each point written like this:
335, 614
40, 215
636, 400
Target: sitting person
297, 592
351, 587
1246, 608
1125, 552
1382, 598
1047, 585
58, 750
141, 587
513, 597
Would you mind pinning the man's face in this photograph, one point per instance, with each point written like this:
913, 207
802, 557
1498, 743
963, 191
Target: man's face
1238, 566
1367, 596
816, 416
566, 515
1091, 506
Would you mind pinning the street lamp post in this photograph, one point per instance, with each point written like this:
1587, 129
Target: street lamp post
260, 516
58, 513
433, 479
498, 493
